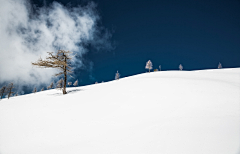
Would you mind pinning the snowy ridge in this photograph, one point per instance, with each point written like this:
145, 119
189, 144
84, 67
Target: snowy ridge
167, 112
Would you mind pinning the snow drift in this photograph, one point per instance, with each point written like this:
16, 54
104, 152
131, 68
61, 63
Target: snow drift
171, 112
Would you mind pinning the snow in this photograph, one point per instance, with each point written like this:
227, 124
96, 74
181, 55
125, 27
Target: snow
167, 112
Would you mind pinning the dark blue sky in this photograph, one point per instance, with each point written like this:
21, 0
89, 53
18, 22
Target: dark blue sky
196, 33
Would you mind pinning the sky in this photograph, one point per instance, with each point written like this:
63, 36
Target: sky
125, 34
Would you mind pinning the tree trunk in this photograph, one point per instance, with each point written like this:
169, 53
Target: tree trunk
65, 82
3, 91
10, 92
65, 76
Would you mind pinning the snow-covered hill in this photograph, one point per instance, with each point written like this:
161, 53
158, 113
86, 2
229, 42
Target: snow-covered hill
170, 112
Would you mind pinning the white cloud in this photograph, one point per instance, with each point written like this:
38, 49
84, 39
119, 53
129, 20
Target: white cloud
27, 35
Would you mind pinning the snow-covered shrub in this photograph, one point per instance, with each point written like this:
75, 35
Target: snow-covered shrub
180, 67
117, 76
76, 83
219, 65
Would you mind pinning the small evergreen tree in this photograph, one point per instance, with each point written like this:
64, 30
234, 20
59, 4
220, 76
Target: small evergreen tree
149, 65
76, 83
60, 84
9, 90
34, 90
117, 76
219, 65
50, 86
3, 91
180, 67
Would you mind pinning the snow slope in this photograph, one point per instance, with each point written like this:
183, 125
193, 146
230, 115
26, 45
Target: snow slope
170, 112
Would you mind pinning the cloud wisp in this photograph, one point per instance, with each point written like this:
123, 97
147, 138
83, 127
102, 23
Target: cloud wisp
27, 35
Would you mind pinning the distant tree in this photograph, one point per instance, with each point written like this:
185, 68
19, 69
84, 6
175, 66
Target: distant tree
9, 90
69, 83
34, 90
180, 67
160, 68
42, 89
149, 65
16, 94
3, 91
102, 81
117, 76
155, 70
60, 84
61, 61
96, 82
50, 86
76, 83
219, 65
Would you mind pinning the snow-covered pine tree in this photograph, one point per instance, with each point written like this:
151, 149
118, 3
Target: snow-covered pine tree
3, 91
117, 76
34, 90
180, 67
60, 84
219, 65
149, 65
76, 83
9, 90
69, 84
60, 60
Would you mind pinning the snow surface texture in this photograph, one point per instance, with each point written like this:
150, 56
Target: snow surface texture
170, 112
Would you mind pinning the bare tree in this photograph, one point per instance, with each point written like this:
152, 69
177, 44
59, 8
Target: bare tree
3, 91
180, 67
34, 90
50, 86
117, 76
61, 61
76, 83
9, 90
219, 65
69, 83
149, 65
